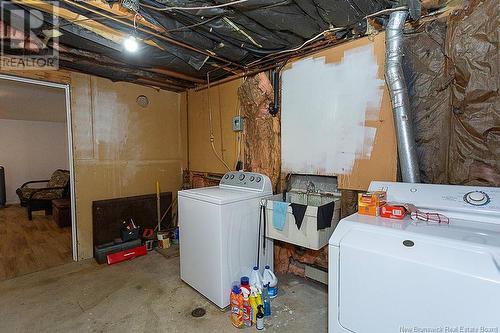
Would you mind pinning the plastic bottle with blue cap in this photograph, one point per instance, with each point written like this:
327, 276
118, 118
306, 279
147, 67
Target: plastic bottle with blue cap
271, 280
256, 279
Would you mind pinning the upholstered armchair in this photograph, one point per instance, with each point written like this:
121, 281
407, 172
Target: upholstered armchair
40, 198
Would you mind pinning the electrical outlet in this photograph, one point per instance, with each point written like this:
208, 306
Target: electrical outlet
237, 124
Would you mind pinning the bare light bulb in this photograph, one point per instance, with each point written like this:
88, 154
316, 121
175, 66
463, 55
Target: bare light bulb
131, 44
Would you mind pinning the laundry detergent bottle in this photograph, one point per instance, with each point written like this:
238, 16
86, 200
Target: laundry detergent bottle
271, 280
236, 304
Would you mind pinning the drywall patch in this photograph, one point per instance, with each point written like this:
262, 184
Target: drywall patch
324, 109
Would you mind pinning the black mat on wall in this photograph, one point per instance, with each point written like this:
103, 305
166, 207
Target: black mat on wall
108, 215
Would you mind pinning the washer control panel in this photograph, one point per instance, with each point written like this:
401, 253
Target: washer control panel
477, 198
479, 203
247, 180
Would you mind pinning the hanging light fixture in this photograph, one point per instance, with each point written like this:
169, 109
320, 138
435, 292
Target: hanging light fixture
131, 44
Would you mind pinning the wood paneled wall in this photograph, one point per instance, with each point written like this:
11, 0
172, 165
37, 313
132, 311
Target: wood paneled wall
224, 106
120, 149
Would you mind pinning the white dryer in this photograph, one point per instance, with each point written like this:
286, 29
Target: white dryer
392, 276
218, 231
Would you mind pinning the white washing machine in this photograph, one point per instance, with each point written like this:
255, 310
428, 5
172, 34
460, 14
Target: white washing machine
392, 276
218, 230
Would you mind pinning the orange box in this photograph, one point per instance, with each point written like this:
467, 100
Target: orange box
369, 203
378, 198
393, 211
372, 210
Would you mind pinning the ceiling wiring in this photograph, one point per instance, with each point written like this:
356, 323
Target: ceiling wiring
189, 41
300, 46
227, 4
153, 33
384, 11
321, 34
187, 27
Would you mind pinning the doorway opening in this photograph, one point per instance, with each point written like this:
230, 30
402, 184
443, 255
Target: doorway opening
38, 215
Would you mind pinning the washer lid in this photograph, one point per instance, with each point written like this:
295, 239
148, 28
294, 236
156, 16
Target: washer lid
220, 196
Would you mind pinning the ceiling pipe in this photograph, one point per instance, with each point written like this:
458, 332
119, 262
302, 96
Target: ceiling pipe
399, 97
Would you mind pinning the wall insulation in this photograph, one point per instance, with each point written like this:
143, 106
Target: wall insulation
452, 69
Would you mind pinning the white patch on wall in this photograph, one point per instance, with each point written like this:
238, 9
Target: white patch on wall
324, 109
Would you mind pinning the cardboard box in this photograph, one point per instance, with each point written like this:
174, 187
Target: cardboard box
393, 211
369, 203
378, 198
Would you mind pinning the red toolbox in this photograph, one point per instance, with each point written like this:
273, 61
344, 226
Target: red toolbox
132, 253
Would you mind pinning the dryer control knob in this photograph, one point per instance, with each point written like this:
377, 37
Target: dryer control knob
242, 176
477, 198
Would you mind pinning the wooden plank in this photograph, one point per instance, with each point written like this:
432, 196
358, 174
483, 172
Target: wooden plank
224, 106
80, 20
158, 35
160, 85
56, 76
121, 12
85, 22
382, 164
176, 75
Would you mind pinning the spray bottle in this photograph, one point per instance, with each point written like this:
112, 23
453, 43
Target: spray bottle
254, 301
247, 309
266, 300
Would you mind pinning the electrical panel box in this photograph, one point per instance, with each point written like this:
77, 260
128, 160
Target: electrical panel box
237, 124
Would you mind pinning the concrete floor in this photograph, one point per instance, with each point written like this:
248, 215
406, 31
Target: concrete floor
142, 295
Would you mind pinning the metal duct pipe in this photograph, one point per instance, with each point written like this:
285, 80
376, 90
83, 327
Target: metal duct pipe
399, 97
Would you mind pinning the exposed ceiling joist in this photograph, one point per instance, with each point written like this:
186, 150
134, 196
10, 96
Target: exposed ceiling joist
119, 66
183, 45
85, 22
175, 74
152, 33
119, 12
